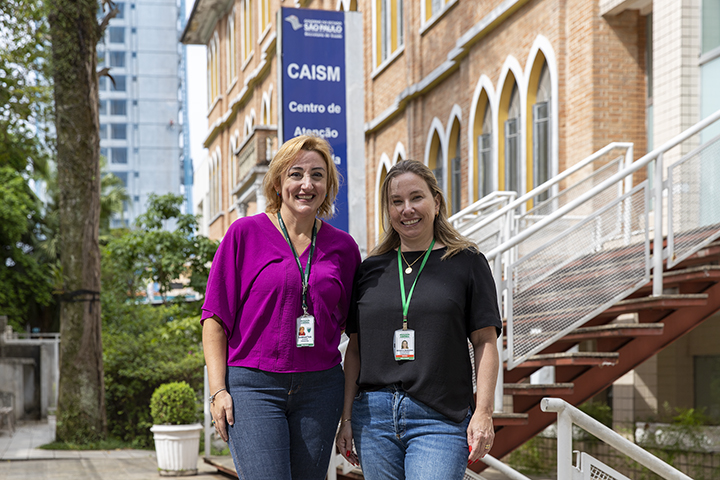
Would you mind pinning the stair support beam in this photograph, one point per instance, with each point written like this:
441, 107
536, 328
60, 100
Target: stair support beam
595, 380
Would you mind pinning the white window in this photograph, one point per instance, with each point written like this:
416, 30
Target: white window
484, 147
264, 15
512, 144
389, 36
247, 30
541, 133
231, 49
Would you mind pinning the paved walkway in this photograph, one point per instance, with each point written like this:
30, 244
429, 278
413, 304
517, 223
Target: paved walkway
20, 459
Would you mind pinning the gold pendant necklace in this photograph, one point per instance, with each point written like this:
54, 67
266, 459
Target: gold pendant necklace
409, 269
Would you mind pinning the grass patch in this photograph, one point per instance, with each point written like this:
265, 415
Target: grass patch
109, 444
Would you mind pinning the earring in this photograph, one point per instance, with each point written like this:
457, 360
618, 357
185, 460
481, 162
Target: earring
278, 193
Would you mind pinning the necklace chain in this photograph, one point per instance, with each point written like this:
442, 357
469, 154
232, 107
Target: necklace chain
409, 269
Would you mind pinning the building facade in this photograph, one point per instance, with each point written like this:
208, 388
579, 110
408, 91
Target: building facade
491, 95
141, 127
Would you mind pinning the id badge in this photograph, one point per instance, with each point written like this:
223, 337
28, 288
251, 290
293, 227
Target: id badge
404, 344
305, 331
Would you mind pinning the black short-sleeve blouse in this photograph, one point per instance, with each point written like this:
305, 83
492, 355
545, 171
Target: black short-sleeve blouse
452, 298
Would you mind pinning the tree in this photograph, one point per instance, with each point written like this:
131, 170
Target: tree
25, 112
151, 253
25, 275
81, 400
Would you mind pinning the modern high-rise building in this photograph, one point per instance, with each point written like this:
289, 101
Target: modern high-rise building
141, 111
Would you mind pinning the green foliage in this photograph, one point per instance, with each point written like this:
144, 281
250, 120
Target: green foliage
109, 444
25, 272
151, 253
112, 197
533, 457
25, 92
600, 411
686, 417
173, 404
143, 347
26, 109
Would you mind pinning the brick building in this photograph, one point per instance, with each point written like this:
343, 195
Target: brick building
492, 95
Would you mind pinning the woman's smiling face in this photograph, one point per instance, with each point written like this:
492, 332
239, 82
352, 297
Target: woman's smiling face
304, 185
412, 210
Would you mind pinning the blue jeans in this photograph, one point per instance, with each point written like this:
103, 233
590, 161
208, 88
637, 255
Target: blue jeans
397, 437
285, 423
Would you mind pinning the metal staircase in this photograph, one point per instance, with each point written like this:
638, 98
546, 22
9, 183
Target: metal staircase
595, 243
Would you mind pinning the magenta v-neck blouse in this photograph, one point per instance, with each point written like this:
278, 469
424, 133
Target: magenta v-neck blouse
255, 289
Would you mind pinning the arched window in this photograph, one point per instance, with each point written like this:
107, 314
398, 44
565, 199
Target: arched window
455, 194
218, 184
542, 132
484, 156
247, 31
436, 164
512, 144
231, 49
213, 69
211, 176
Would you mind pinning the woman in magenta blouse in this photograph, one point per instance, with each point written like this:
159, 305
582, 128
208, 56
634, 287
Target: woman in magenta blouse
276, 304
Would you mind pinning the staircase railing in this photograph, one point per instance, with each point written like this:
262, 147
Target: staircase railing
607, 248
569, 415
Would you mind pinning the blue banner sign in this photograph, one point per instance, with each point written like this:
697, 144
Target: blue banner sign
313, 89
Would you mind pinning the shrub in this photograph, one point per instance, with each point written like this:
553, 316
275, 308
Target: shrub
144, 347
173, 404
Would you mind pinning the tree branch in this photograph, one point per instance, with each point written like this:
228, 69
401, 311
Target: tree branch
112, 13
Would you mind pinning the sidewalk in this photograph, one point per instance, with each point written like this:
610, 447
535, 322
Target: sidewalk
20, 458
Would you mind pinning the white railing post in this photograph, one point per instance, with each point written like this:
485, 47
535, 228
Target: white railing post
206, 411
564, 445
658, 227
499, 390
569, 415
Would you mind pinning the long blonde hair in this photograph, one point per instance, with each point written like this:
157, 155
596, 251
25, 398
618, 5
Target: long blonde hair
284, 159
443, 230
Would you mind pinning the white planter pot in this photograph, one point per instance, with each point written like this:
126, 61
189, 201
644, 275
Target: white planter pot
177, 448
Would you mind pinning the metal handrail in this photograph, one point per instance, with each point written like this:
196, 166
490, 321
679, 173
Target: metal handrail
634, 167
509, 472
483, 202
569, 415
549, 184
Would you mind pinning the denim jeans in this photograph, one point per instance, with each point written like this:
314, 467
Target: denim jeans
285, 423
397, 437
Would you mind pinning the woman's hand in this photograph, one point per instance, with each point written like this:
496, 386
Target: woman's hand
221, 410
480, 435
344, 443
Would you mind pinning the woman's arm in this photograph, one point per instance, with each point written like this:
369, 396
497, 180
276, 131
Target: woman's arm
215, 348
480, 432
352, 370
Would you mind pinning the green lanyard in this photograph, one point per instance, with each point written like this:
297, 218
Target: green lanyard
304, 276
406, 302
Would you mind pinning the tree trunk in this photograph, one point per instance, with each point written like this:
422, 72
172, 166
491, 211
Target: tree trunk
81, 401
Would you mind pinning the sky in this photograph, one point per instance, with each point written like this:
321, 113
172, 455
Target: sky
197, 96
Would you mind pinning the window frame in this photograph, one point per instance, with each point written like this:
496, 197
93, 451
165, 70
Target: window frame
386, 32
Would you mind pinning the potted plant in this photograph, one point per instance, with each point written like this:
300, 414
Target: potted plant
175, 430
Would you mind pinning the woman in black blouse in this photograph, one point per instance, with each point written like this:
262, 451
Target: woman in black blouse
421, 294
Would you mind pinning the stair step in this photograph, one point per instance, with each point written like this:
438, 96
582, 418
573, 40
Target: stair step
538, 389
613, 330
693, 274
509, 419
660, 302
571, 358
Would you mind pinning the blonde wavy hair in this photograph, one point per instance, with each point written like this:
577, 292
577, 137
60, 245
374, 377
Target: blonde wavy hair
443, 230
284, 159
